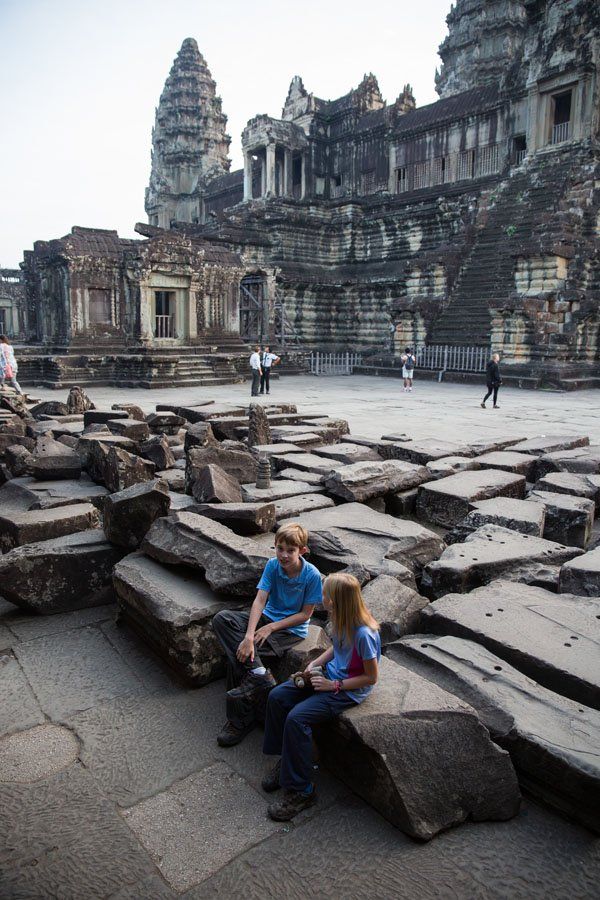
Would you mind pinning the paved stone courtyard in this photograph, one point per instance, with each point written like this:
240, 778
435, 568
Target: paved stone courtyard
112, 784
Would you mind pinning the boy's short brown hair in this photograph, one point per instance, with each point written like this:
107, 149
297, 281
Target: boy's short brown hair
293, 533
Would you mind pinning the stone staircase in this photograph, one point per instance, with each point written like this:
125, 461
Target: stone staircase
521, 209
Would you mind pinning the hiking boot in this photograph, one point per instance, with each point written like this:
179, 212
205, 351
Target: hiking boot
483, 405
496, 406
251, 685
231, 734
271, 782
292, 803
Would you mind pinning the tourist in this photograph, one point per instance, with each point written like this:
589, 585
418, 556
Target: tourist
256, 371
408, 367
493, 379
287, 594
8, 365
350, 671
267, 360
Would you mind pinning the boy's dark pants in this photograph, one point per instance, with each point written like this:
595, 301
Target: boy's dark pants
291, 713
230, 628
264, 379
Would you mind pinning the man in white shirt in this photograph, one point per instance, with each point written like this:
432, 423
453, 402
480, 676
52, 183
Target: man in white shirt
267, 359
256, 371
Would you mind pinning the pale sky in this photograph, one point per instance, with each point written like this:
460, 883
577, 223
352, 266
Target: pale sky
80, 80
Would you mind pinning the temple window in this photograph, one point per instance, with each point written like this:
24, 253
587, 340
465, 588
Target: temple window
466, 165
421, 175
561, 117
99, 306
439, 170
488, 159
401, 180
519, 148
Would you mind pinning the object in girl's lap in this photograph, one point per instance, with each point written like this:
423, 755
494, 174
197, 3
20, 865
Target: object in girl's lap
301, 680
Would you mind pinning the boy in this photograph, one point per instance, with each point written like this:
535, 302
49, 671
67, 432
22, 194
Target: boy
408, 368
288, 591
268, 359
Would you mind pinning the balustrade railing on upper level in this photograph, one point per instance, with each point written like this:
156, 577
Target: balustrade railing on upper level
560, 132
163, 326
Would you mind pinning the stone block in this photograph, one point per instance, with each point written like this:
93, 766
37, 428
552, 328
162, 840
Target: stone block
49, 494
296, 507
132, 409
78, 401
130, 428
552, 638
123, 469
279, 489
424, 451
15, 440
420, 757
571, 483
581, 460
51, 460
49, 408
450, 465
553, 742
568, 519
211, 411
402, 504
348, 453
243, 518
508, 461
86, 446
299, 655
524, 516
165, 422
581, 575
172, 610
214, 485
128, 514
305, 462
102, 416
38, 429
539, 446
259, 430
447, 501
18, 460
158, 451
26, 526
297, 475
199, 435
175, 478
395, 606
238, 463
231, 564
61, 574
364, 481
494, 552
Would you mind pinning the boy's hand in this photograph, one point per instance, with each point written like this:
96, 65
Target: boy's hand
245, 650
263, 633
320, 683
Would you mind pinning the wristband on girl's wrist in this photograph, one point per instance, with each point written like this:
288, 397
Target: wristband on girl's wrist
338, 686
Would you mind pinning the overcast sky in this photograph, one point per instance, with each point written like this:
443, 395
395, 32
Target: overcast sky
80, 80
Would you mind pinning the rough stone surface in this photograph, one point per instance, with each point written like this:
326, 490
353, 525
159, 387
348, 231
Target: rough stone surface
130, 428
447, 501
508, 461
259, 430
299, 655
66, 573
78, 401
243, 518
36, 753
128, 514
538, 446
49, 494
49, 408
524, 516
570, 483
395, 606
52, 460
450, 465
199, 434
158, 451
102, 416
290, 507
165, 422
553, 742
19, 709
18, 460
24, 527
214, 485
240, 464
232, 564
568, 519
306, 462
583, 460
123, 469
494, 552
348, 453
552, 638
423, 451
581, 575
132, 409
175, 478
364, 481
420, 756
172, 609
279, 489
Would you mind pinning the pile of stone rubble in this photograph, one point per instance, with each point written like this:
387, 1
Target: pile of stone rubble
477, 559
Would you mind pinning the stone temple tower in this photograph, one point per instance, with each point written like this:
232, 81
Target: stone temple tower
189, 142
485, 37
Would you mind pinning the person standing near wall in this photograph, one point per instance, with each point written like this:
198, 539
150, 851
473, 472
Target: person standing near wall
256, 371
493, 379
8, 364
267, 360
408, 368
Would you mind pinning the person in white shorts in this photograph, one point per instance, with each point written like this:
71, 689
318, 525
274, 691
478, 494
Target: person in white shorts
408, 368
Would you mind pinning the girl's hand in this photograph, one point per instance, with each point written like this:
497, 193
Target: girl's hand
245, 650
320, 683
263, 633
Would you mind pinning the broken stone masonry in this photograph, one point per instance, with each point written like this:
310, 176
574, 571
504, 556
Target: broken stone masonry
354, 224
486, 585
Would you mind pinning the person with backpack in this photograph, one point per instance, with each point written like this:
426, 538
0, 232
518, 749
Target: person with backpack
408, 368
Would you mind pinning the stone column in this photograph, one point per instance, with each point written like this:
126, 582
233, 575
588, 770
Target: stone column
303, 176
287, 173
270, 156
392, 169
247, 175
263, 175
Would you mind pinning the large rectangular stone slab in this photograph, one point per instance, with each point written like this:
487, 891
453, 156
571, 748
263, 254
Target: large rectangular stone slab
448, 500
298, 506
518, 515
306, 462
241, 464
550, 443
420, 756
364, 481
395, 606
348, 453
243, 518
508, 461
583, 460
282, 487
578, 485
24, 527
70, 572
553, 742
231, 564
48, 494
494, 552
172, 609
568, 519
581, 575
552, 638
423, 451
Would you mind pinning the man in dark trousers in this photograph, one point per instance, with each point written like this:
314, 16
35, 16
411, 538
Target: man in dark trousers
267, 359
492, 375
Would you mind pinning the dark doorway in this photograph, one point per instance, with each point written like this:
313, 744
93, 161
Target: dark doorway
164, 314
253, 309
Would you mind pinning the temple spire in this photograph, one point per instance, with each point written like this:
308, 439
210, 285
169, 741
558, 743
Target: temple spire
189, 142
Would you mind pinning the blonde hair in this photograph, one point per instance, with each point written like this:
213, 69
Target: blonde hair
348, 610
293, 533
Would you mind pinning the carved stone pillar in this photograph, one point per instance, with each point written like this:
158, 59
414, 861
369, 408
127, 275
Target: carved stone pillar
263, 175
287, 173
247, 175
270, 156
303, 176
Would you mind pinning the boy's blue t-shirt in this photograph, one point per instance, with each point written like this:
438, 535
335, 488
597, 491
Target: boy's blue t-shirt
348, 659
287, 596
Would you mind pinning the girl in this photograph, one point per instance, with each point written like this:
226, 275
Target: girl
351, 670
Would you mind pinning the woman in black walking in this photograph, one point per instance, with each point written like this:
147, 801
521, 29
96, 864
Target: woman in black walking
493, 379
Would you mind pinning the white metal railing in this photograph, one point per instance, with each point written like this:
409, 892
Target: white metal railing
560, 132
442, 357
163, 326
520, 156
334, 363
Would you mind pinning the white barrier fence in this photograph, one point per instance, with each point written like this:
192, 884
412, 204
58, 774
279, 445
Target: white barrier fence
445, 358
334, 363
